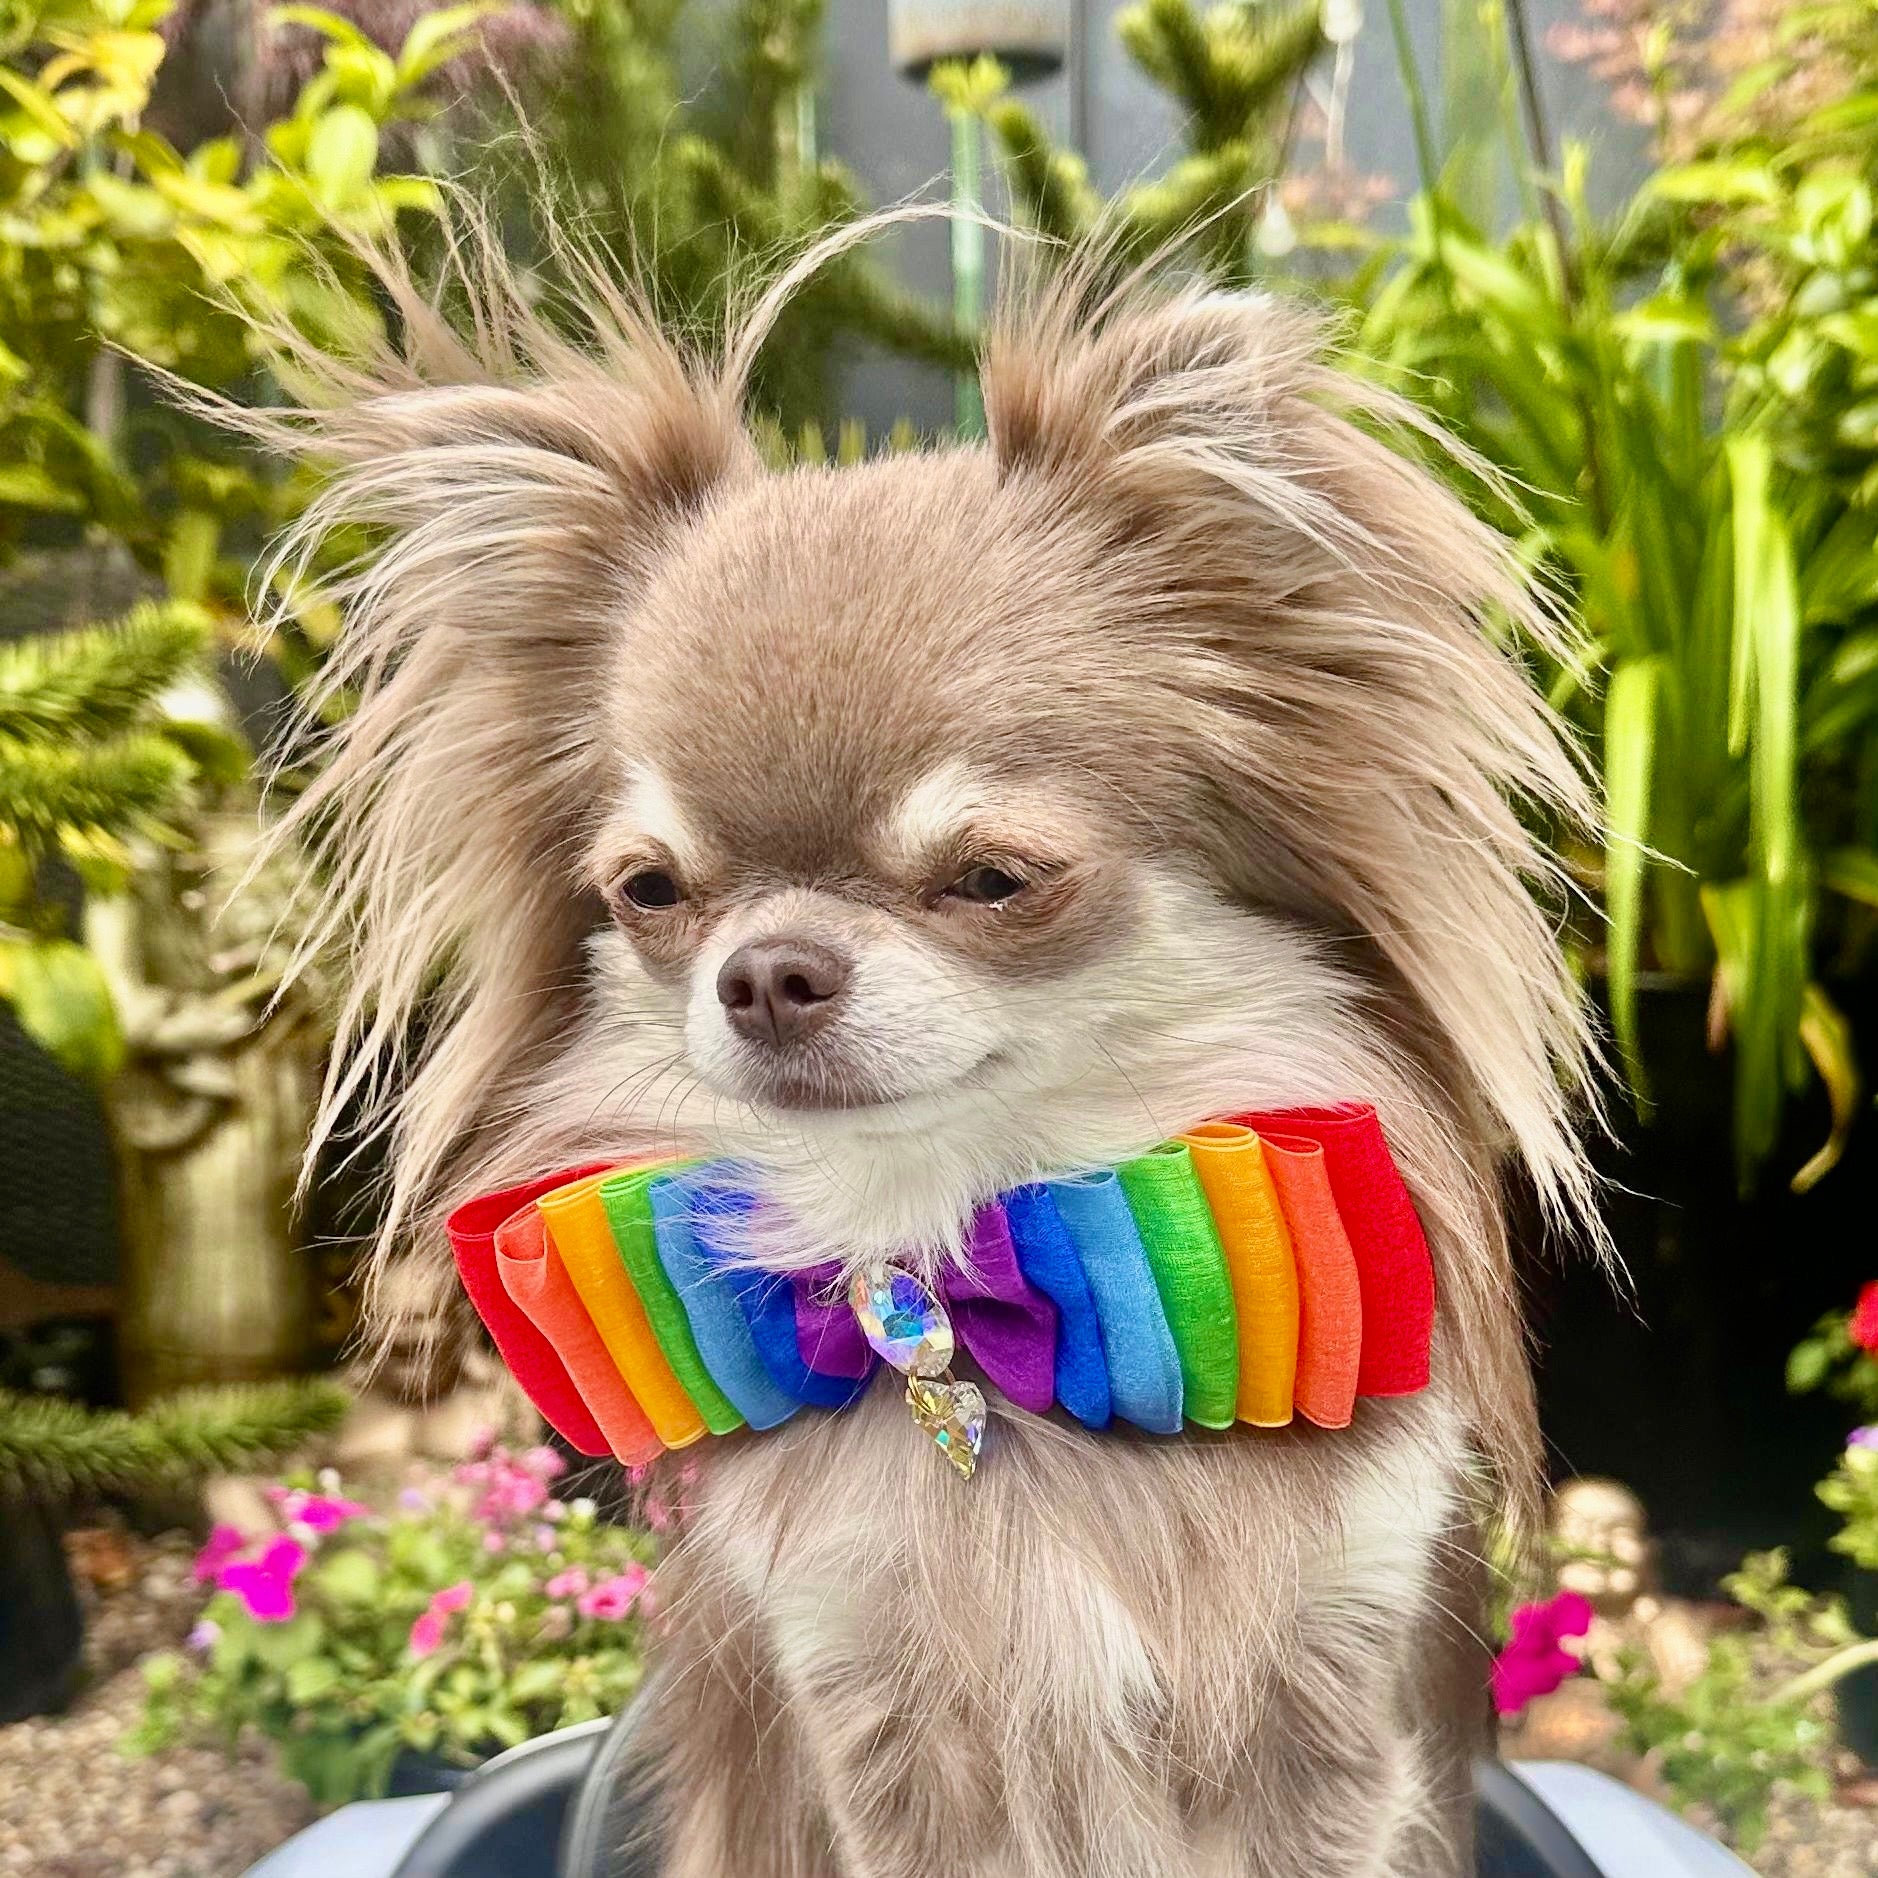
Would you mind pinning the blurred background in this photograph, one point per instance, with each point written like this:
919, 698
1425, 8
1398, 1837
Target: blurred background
1625, 251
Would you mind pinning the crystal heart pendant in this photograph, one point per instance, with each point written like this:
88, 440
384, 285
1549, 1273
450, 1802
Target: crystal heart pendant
907, 1327
953, 1413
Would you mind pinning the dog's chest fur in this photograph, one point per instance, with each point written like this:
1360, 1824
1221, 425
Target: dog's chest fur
1101, 1648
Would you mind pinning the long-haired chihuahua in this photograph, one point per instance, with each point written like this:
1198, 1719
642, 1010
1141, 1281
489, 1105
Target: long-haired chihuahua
906, 831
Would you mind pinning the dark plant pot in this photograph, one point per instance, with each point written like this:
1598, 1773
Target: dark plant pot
1679, 1390
42, 1626
414, 1773
1856, 1695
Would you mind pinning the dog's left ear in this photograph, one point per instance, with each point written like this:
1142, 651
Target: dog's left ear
1338, 634
506, 495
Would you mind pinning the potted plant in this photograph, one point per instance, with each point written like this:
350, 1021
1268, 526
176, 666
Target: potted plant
1840, 1359
1648, 390
125, 798
54, 1453
479, 1610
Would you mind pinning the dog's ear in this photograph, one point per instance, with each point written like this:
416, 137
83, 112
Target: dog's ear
1202, 419
1343, 636
504, 494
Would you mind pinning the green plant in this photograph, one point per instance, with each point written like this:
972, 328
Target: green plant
482, 1611
1726, 598
92, 761
1727, 1740
1851, 1490
705, 186
123, 258
1840, 1355
1233, 71
119, 254
52, 1451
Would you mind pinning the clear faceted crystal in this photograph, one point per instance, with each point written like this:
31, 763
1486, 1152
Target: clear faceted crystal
903, 1322
953, 1413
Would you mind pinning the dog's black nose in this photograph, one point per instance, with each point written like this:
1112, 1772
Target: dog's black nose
779, 991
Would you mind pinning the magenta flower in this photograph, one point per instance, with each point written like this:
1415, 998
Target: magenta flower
1533, 1663
572, 1583
427, 1632
318, 1512
428, 1627
1866, 1437
453, 1598
543, 1463
224, 1543
494, 1541
265, 1585
612, 1598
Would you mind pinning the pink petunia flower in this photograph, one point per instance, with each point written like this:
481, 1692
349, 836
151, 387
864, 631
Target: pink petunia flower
265, 1585
572, 1583
542, 1462
1866, 1437
453, 1598
224, 1542
428, 1627
510, 1495
612, 1598
1533, 1663
427, 1632
318, 1512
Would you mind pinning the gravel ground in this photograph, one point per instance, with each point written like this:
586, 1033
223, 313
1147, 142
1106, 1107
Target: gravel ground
71, 1806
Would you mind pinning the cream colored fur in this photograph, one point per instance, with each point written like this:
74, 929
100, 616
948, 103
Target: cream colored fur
1189, 646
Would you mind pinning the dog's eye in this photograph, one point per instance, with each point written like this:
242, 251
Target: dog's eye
650, 889
986, 886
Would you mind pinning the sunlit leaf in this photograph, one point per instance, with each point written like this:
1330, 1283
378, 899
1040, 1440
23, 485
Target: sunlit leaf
37, 102
60, 996
1629, 754
342, 153
1852, 872
1827, 1038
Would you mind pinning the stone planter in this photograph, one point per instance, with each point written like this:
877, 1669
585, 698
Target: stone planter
1029, 37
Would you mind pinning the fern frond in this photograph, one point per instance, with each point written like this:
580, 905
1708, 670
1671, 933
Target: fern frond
98, 680
1051, 186
52, 1450
51, 790
1232, 69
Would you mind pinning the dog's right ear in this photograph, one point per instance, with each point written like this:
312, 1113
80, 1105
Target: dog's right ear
504, 495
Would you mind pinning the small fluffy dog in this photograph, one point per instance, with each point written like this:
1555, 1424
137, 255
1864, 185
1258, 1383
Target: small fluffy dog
1156, 759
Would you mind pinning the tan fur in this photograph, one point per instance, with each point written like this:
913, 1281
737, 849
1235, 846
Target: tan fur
1214, 665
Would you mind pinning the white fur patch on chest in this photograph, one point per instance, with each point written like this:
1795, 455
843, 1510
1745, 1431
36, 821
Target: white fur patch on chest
1392, 1513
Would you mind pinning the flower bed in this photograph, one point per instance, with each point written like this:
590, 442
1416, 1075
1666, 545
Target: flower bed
476, 1613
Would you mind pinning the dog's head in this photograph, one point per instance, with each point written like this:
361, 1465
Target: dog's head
909, 828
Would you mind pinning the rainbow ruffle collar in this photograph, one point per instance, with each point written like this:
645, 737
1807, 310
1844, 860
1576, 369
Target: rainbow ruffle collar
1249, 1270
